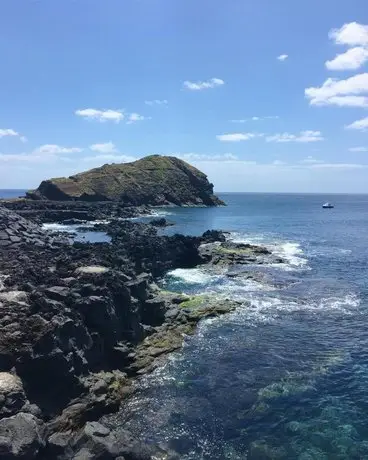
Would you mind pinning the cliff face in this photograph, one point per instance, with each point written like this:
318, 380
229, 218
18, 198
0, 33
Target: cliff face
153, 180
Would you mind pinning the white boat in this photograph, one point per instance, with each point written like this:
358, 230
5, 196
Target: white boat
327, 206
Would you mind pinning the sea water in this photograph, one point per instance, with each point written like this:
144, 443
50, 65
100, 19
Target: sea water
285, 376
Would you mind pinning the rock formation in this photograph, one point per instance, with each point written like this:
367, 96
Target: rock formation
153, 180
79, 321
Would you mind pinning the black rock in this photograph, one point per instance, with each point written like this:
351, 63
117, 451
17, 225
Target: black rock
21, 437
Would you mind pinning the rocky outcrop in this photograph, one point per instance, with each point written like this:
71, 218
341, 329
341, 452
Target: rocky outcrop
80, 321
153, 180
15, 231
72, 212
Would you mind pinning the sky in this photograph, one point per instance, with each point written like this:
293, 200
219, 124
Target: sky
263, 96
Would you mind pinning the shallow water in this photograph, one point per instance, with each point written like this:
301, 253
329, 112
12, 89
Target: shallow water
284, 377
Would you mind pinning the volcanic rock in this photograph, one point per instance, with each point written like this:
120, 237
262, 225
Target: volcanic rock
153, 180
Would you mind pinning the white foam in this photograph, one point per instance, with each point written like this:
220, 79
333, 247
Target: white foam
346, 304
290, 251
193, 275
159, 213
94, 222
154, 214
268, 309
59, 228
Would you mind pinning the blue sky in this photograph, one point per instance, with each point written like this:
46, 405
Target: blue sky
262, 96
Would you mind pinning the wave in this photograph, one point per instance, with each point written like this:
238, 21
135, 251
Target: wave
192, 276
290, 251
53, 227
153, 215
268, 309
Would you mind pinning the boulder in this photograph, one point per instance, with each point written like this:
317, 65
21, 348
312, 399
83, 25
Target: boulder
12, 396
21, 437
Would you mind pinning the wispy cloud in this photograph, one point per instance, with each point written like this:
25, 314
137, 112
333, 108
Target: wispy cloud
310, 160
303, 136
245, 120
206, 157
107, 147
200, 85
237, 137
115, 116
348, 93
100, 159
361, 125
358, 149
157, 102
135, 117
12, 133
54, 149
282, 57
338, 166
8, 132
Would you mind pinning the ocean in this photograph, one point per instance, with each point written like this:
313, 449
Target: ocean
284, 376
12, 193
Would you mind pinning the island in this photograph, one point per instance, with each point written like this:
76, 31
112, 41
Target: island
154, 180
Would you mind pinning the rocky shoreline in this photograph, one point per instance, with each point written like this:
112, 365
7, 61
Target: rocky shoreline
81, 321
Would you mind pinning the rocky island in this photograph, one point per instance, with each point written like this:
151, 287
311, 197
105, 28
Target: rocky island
80, 321
154, 180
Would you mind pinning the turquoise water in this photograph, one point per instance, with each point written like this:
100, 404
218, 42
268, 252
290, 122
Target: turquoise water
286, 376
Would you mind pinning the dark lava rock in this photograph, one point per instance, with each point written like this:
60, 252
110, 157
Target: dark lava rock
73, 212
12, 396
16, 230
161, 222
153, 180
21, 437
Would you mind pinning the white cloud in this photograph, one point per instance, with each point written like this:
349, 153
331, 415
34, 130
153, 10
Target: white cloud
134, 117
107, 147
157, 102
303, 136
338, 166
279, 163
237, 137
20, 157
350, 34
8, 132
310, 160
101, 159
361, 125
358, 149
12, 133
53, 149
244, 120
101, 115
350, 60
282, 57
206, 157
200, 85
340, 92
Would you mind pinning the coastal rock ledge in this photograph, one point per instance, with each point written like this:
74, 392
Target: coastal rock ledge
154, 180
